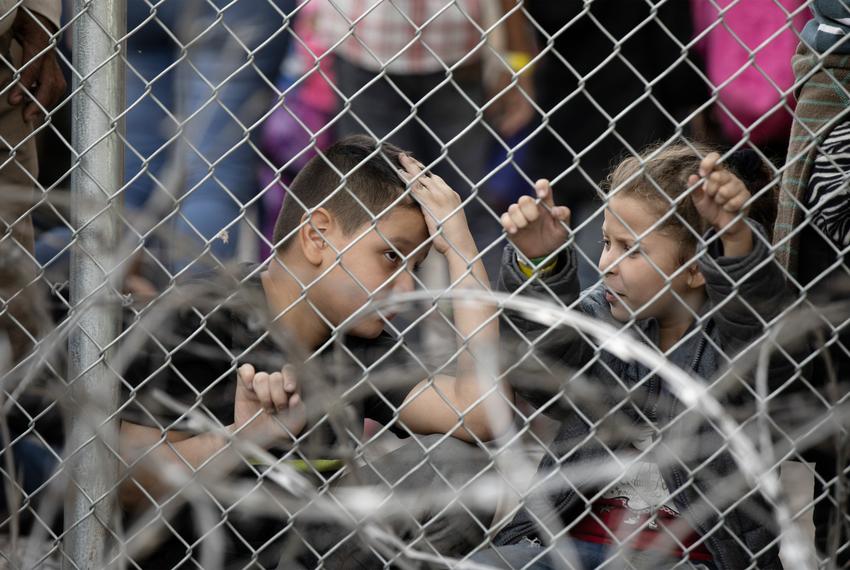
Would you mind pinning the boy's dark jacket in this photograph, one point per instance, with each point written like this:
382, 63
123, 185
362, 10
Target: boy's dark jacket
743, 294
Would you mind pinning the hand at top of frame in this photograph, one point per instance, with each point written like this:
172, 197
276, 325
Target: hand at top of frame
720, 200
442, 209
537, 228
42, 84
511, 107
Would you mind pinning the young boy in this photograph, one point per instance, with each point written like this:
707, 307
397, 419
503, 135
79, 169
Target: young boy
340, 242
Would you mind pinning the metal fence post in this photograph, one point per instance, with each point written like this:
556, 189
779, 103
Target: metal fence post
95, 183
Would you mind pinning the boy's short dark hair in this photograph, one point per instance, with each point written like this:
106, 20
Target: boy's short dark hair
372, 183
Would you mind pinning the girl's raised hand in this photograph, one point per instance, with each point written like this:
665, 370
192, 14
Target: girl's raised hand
720, 201
534, 229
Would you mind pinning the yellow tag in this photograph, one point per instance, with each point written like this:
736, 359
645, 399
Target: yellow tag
320, 465
530, 270
518, 60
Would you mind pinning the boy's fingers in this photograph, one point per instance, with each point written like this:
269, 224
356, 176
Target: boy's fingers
410, 165
428, 183
278, 395
290, 382
410, 179
544, 192
294, 401
528, 208
438, 180
438, 188
246, 375
261, 389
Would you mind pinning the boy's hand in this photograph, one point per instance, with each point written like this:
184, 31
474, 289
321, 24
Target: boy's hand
533, 229
277, 396
720, 200
441, 207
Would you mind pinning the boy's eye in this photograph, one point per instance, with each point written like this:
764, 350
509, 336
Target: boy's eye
606, 243
392, 257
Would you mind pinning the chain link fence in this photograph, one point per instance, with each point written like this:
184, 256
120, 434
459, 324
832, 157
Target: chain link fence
281, 287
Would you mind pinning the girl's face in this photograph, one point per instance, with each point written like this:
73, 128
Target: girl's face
637, 263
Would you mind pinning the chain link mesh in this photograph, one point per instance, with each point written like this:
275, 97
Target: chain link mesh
180, 389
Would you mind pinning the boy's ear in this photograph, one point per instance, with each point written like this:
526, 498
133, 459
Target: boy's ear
312, 237
695, 277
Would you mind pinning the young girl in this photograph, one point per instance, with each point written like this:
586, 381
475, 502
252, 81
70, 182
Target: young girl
691, 275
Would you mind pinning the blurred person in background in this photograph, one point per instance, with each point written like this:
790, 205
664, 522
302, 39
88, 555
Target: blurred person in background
26, 31
745, 47
611, 80
287, 139
199, 77
412, 71
31, 414
812, 237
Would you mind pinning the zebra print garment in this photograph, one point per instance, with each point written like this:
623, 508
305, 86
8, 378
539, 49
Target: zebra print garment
828, 195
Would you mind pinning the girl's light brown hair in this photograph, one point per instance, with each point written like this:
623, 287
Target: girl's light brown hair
659, 178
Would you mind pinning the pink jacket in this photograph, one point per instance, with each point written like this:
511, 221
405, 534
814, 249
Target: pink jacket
752, 45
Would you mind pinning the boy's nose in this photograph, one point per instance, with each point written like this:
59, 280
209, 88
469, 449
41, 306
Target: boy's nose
403, 283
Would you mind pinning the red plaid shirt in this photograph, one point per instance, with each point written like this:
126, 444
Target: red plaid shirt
403, 36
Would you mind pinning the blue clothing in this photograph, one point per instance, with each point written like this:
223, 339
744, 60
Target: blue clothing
34, 465
196, 109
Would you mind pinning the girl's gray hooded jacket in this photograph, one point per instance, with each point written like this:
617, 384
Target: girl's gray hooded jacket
743, 294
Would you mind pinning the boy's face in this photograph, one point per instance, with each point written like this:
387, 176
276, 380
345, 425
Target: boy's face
373, 266
633, 278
